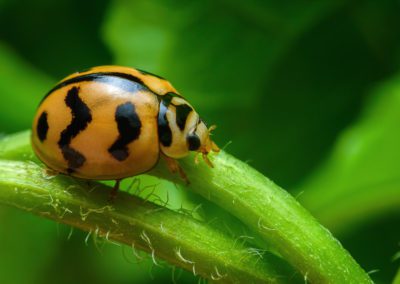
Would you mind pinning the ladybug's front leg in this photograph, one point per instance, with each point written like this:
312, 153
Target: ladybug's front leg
174, 167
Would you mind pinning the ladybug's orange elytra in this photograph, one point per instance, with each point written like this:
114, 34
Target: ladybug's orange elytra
113, 122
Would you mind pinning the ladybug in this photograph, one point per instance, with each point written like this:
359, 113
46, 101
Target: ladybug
113, 122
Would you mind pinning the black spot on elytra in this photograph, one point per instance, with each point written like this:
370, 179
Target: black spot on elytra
74, 158
164, 131
129, 126
193, 142
42, 127
81, 117
182, 113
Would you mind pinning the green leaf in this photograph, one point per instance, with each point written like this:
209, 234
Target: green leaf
361, 179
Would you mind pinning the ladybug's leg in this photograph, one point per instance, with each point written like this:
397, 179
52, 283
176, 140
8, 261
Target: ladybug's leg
50, 173
174, 167
207, 160
114, 191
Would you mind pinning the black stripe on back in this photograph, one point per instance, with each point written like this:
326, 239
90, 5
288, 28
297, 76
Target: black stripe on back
42, 127
164, 131
129, 126
182, 113
81, 117
124, 81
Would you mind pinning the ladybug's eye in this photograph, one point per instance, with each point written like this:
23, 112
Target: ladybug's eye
193, 142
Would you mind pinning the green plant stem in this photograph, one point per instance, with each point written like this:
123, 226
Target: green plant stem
270, 211
275, 215
165, 234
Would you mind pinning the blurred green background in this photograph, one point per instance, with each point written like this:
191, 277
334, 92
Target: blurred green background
307, 92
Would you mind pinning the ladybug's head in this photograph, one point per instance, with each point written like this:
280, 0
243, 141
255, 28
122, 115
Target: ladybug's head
187, 131
198, 139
